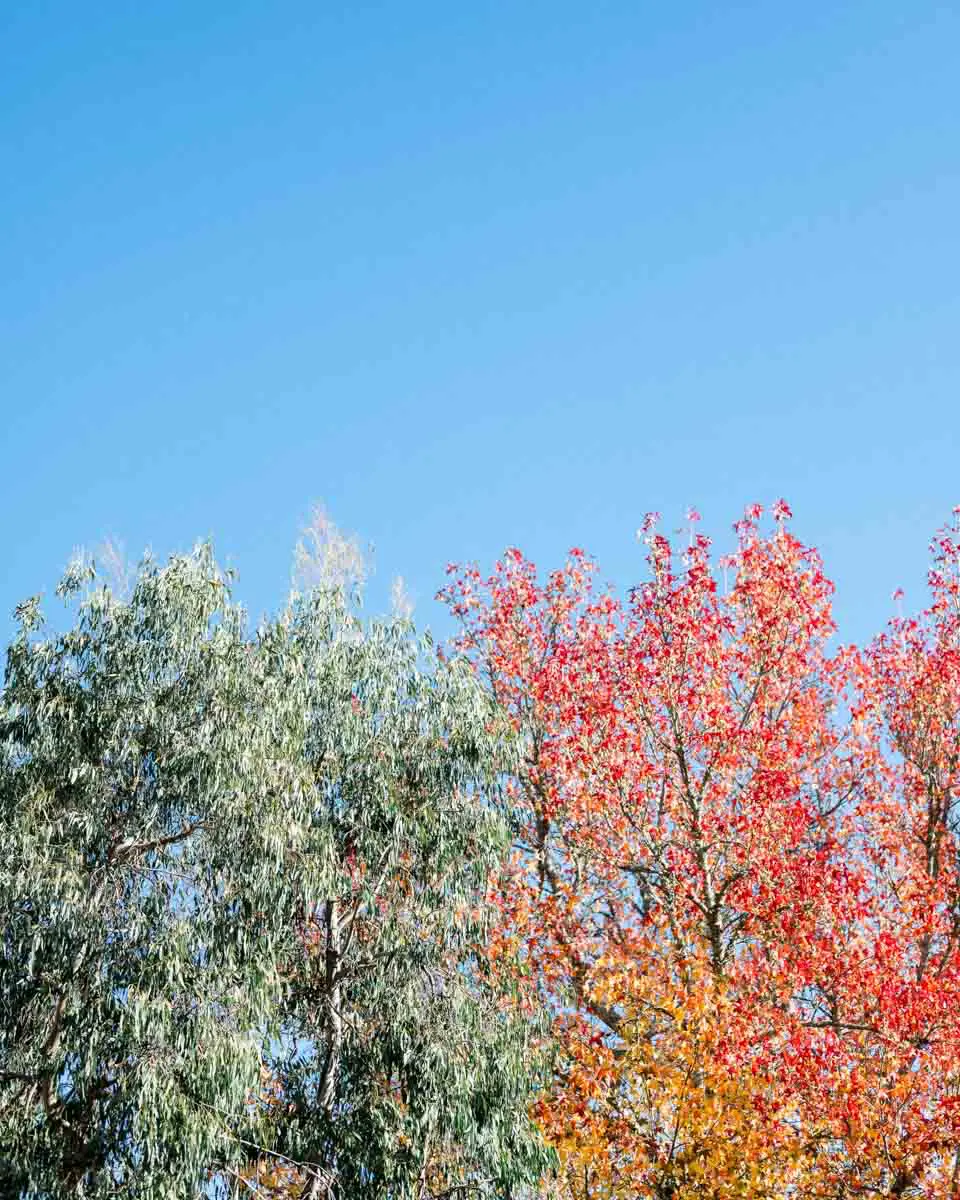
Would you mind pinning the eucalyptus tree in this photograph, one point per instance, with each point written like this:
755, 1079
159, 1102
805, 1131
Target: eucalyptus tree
401, 1070
143, 802
242, 897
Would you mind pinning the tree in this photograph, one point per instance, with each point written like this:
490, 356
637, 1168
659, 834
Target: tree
887, 992
735, 886
402, 1070
241, 894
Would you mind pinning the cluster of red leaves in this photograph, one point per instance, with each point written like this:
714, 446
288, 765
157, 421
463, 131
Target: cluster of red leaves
736, 884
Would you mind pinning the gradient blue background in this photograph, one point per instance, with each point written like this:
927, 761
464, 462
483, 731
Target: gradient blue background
475, 275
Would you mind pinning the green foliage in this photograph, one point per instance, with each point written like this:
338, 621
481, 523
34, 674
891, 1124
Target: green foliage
241, 897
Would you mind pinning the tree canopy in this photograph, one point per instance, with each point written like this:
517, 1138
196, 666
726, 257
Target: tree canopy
737, 882
242, 896
654, 896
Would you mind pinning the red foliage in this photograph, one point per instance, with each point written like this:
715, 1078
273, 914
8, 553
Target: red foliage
736, 884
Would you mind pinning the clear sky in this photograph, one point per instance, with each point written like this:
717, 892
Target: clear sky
476, 275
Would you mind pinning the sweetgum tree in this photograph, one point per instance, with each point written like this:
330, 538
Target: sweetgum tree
735, 888
241, 895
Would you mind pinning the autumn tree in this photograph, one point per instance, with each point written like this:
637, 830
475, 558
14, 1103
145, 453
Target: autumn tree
886, 991
734, 886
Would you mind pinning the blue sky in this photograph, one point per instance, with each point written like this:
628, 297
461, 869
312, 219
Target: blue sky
478, 275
